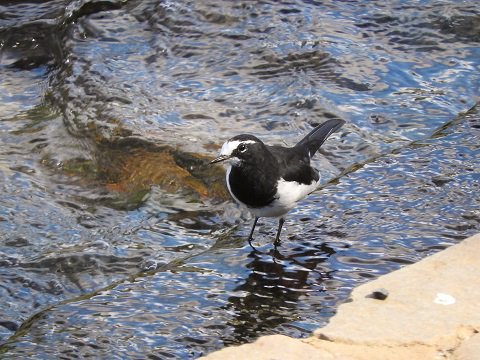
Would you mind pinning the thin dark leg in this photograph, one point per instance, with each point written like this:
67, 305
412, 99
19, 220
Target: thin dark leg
250, 237
280, 224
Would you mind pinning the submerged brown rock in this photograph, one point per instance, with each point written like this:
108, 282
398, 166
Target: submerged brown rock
129, 167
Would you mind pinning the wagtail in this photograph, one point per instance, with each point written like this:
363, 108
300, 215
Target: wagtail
270, 180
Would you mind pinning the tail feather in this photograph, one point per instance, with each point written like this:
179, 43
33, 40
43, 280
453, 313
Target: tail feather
315, 138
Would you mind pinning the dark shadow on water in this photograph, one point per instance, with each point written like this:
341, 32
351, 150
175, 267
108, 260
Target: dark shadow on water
269, 295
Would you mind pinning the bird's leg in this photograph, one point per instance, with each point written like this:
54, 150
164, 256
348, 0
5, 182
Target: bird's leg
250, 237
280, 224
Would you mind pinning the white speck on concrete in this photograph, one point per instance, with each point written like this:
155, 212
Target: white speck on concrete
444, 299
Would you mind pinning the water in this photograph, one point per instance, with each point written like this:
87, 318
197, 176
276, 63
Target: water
117, 238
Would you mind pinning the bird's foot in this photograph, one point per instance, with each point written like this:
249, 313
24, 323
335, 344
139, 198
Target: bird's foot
276, 244
251, 245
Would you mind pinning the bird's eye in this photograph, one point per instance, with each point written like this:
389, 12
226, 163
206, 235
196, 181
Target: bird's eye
242, 148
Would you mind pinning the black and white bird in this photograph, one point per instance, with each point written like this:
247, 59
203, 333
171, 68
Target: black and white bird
270, 180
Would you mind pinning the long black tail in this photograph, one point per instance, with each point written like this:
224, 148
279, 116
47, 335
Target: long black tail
315, 138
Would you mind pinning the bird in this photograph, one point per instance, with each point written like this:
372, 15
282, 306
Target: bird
269, 180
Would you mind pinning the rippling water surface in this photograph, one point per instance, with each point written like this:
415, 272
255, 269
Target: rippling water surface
117, 240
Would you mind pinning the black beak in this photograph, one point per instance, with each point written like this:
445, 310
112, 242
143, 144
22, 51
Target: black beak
219, 159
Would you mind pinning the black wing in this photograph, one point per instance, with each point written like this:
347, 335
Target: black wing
294, 165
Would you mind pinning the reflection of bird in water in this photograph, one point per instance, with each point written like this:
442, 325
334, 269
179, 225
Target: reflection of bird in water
270, 294
270, 180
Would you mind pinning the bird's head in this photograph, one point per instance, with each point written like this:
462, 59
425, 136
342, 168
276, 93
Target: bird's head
239, 149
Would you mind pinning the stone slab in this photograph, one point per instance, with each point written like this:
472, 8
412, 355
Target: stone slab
275, 347
433, 301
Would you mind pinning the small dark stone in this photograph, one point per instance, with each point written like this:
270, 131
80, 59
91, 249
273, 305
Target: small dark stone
380, 294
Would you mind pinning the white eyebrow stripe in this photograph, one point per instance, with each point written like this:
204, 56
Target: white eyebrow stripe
230, 146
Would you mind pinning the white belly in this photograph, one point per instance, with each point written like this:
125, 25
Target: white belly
289, 193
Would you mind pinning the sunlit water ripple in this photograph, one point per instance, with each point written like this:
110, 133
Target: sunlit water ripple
101, 99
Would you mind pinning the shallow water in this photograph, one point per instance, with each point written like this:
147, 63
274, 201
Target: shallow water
116, 237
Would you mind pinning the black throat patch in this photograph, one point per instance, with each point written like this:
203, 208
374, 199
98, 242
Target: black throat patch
251, 186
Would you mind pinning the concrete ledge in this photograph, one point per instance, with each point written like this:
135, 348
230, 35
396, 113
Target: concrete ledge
432, 311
